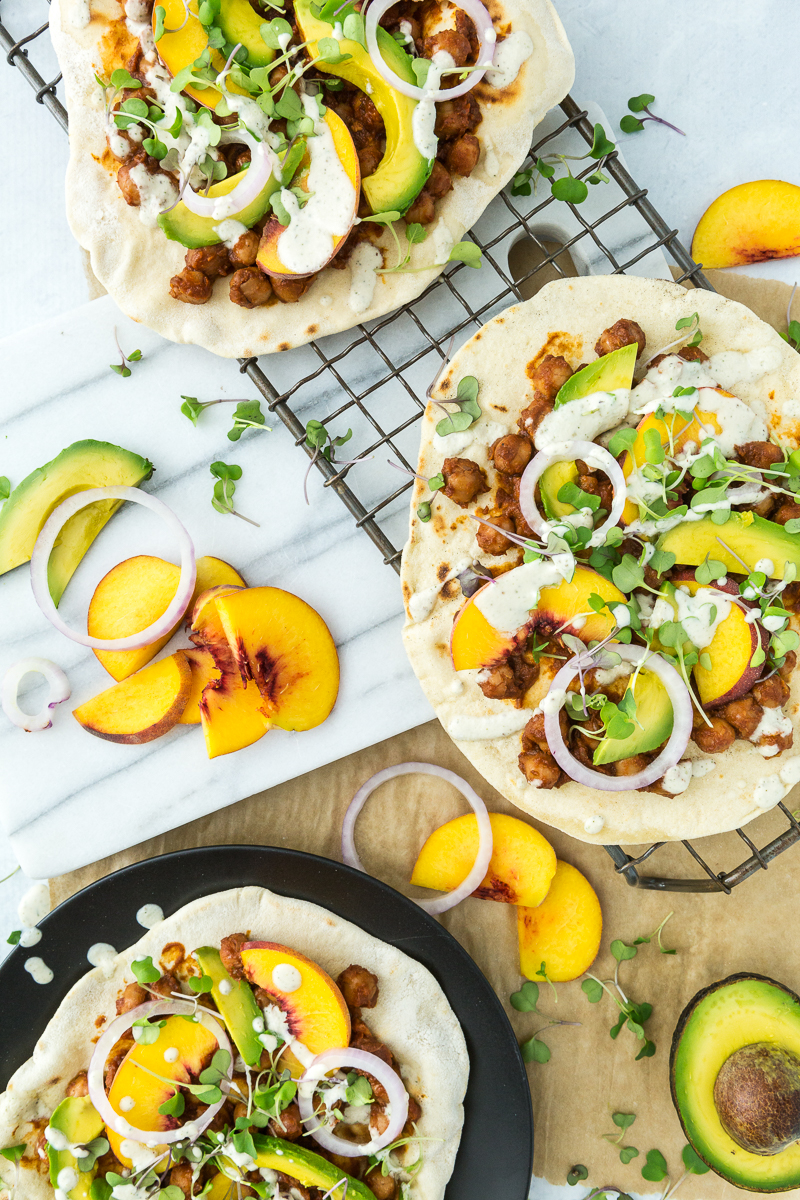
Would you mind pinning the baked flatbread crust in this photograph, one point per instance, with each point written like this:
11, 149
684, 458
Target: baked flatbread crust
412, 1015
569, 316
135, 262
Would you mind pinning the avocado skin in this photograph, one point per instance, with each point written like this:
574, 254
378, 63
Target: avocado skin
75, 1117
738, 1178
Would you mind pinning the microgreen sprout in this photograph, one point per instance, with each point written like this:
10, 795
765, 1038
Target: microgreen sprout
322, 442
792, 335
5, 492
122, 368
226, 475
567, 187
639, 104
632, 1015
469, 410
247, 415
526, 1000
623, 1121
639, 941
655, 1168
576, 1174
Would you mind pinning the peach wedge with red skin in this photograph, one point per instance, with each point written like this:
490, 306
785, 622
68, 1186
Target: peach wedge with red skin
474, 642
564, 931
143, 707
731, 649
316, 1012
753, 222
520, 870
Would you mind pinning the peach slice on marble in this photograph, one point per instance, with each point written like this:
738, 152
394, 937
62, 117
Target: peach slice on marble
753, 222
195, 1046
564, 931
314, 1008
142, 707
521, 868
204, 670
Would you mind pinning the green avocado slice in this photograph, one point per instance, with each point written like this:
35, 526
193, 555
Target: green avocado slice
77, 1119
606, 374
237, 1007
398, 178
742, 1010
309, 1169
551, 483
80, 466
184, 226
240, 23
652, 722
751, 539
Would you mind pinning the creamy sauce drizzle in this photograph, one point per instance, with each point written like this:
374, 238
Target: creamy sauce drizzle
38, 970
583, 418
509, 56
150, 915
365, 261
102, 955
424, 116
488, 726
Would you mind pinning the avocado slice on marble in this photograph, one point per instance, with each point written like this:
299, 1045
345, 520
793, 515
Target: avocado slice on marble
606, 374
82, 465
236, 1004
241, 24
742, 538
398, 178
735, 1081
652, 723
180, 224
79, 1122
308, 1168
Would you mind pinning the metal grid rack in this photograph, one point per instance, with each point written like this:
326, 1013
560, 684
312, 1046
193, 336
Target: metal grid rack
406, 348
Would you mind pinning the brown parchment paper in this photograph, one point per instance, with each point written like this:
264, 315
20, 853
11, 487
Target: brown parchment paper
589, 1076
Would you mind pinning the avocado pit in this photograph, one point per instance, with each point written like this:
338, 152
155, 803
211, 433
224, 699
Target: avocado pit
757, 1097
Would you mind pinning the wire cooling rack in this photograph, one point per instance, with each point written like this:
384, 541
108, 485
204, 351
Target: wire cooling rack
370, 379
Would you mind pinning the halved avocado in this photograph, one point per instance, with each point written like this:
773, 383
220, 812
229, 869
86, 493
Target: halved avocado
652, 723
180, 224
80, 466
80, 1123
239, 22
751, 538
308, 1168
742, 1010
401, 173
237, 1006
606, 374
551, 483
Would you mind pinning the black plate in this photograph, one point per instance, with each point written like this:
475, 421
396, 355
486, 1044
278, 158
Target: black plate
497, 1142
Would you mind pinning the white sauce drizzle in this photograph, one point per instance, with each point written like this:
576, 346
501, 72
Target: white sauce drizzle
156, 192
30, 937
171, 1054
583, 418
507, 603
365, 262
81, 17
38, 970
677, 778
488, 726
594, 824
102, 955
150, 915
773, 721
702, 766
225, 987
424, 116
420, 604
286, 977
509, 56
229, 231
34, 905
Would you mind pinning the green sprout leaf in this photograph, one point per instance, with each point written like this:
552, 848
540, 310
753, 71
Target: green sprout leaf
358, 1091
13, 938
526, 999
647, 1051
622, 1120
201, 984
247, 415
601, 146
593, 990
534, 1050
640, 103
576, 1174
622, 440
144, 970
621, 951
192, 408
569, 189
424, 511
693, 1162
148, 1032
174, 1106
655, 1168
123, 79
466, 252
13, 1153
630, 124
626, 1153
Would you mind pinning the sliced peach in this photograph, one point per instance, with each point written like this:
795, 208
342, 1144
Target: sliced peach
752, 222
672, 428
269, 249
142, 707
232, 714
204, 670
316, 1011
476, 643
520, 870
181, 48
285, 647
564, 931
195, 1045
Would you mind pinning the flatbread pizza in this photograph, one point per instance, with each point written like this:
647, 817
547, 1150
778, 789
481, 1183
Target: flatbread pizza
601, 576
248, 175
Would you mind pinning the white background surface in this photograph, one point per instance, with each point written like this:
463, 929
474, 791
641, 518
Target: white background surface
725, 71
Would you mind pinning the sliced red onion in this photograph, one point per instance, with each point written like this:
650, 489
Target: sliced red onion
594, 456
106, 1043
59, 692
255, 179
485, 841
348, 1058
669, 756
49, 535
487, 39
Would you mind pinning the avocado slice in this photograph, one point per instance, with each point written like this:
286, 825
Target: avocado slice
180, 224
308, 1168
237, 1007
240, 23
402, 171
652, 724
80, 466
77, 1119
606, 374
742, 1010
551, 483
749, 537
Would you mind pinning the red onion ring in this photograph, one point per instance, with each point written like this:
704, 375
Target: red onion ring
221, 208
669, 756
47, 539
485, 841
594, 456
331, 1060
106, 1043
59, 692
487, 39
